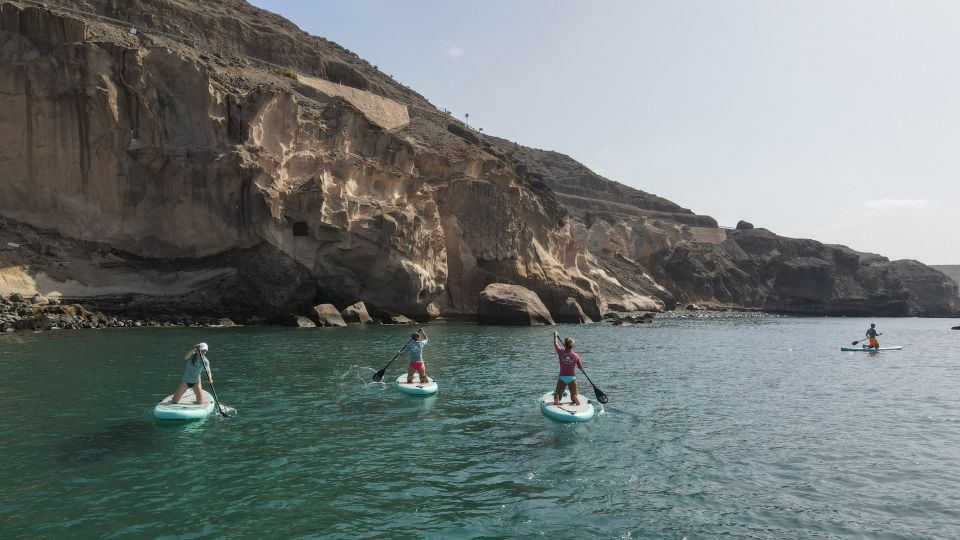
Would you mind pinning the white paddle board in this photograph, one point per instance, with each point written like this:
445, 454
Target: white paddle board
416, 388
566, 411
186, 409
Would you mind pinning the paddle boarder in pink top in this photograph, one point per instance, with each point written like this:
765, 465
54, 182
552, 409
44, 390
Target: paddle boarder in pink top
569, 362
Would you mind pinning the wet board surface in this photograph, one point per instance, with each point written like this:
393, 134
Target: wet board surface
566, 411
861, 349
186, 409
417, 388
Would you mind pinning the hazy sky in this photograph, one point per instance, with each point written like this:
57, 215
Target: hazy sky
835, 120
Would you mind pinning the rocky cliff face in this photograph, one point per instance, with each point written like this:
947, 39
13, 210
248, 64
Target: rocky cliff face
219, 160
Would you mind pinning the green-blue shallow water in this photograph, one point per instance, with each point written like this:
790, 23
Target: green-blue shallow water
741, 428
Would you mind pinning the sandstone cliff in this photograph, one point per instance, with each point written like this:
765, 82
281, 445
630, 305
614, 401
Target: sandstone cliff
211, 158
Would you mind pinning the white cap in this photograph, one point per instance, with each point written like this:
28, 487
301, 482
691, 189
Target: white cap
202, 347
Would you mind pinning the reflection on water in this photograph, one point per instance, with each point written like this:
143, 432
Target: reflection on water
112, 440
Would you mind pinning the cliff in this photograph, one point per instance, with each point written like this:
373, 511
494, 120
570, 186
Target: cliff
952, 271
211, 158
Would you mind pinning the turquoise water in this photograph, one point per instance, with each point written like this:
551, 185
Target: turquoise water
744, 428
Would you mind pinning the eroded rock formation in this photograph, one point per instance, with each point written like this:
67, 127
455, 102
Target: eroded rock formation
501, 303
173, 169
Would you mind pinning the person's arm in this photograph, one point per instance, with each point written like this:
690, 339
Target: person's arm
556, 341
206, 364
579, 363
424, 334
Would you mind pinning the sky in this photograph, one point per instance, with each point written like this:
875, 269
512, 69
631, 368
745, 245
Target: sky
837, 120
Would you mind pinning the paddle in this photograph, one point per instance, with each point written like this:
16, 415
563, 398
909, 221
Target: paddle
864, 339
215, 398
378, 376
601, 397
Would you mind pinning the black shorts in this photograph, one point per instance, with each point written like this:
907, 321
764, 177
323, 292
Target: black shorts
190, 384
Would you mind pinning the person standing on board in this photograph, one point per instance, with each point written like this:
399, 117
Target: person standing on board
196, 363
872, 335
414, 352
569, 362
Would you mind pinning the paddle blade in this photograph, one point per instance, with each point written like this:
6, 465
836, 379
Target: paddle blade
854, 342
378, 376
601, 397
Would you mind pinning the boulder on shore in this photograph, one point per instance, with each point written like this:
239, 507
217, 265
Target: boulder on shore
356, 313
501, 303
571, 312
298, 320
394, 318
326, 315
744, 225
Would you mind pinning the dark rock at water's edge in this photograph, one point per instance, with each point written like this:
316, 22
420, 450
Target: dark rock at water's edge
198, 184
501, 303
38, 313
629, 319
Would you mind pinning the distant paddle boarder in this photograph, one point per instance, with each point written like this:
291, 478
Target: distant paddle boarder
872, 336
414, 352
569, 362
197, 363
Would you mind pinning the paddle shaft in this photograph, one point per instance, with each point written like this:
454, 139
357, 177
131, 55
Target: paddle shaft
215, 398
864, 339
378, 376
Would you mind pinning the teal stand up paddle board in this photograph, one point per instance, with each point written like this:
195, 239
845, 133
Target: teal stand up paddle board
186, 409
416, 388
870, 349
566, 411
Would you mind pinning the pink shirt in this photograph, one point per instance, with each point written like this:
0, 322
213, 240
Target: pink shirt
569, 361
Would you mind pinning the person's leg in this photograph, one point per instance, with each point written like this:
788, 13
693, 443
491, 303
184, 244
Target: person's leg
410, 374
573, 392
198, 391
179, 393
559, 393
423, 373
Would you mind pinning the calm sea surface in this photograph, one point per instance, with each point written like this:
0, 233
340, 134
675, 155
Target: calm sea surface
739, 428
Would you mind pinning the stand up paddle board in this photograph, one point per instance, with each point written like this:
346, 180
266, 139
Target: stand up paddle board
416, 388
566, 411
867, 349
186, 409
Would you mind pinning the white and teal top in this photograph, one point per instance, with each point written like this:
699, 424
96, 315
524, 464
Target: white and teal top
196, 365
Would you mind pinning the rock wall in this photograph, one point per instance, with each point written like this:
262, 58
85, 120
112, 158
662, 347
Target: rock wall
177, 175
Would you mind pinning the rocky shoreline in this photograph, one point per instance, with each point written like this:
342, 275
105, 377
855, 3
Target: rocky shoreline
38, 313
45, 313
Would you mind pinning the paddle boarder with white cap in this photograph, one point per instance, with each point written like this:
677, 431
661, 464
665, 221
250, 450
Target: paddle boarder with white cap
197, 363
